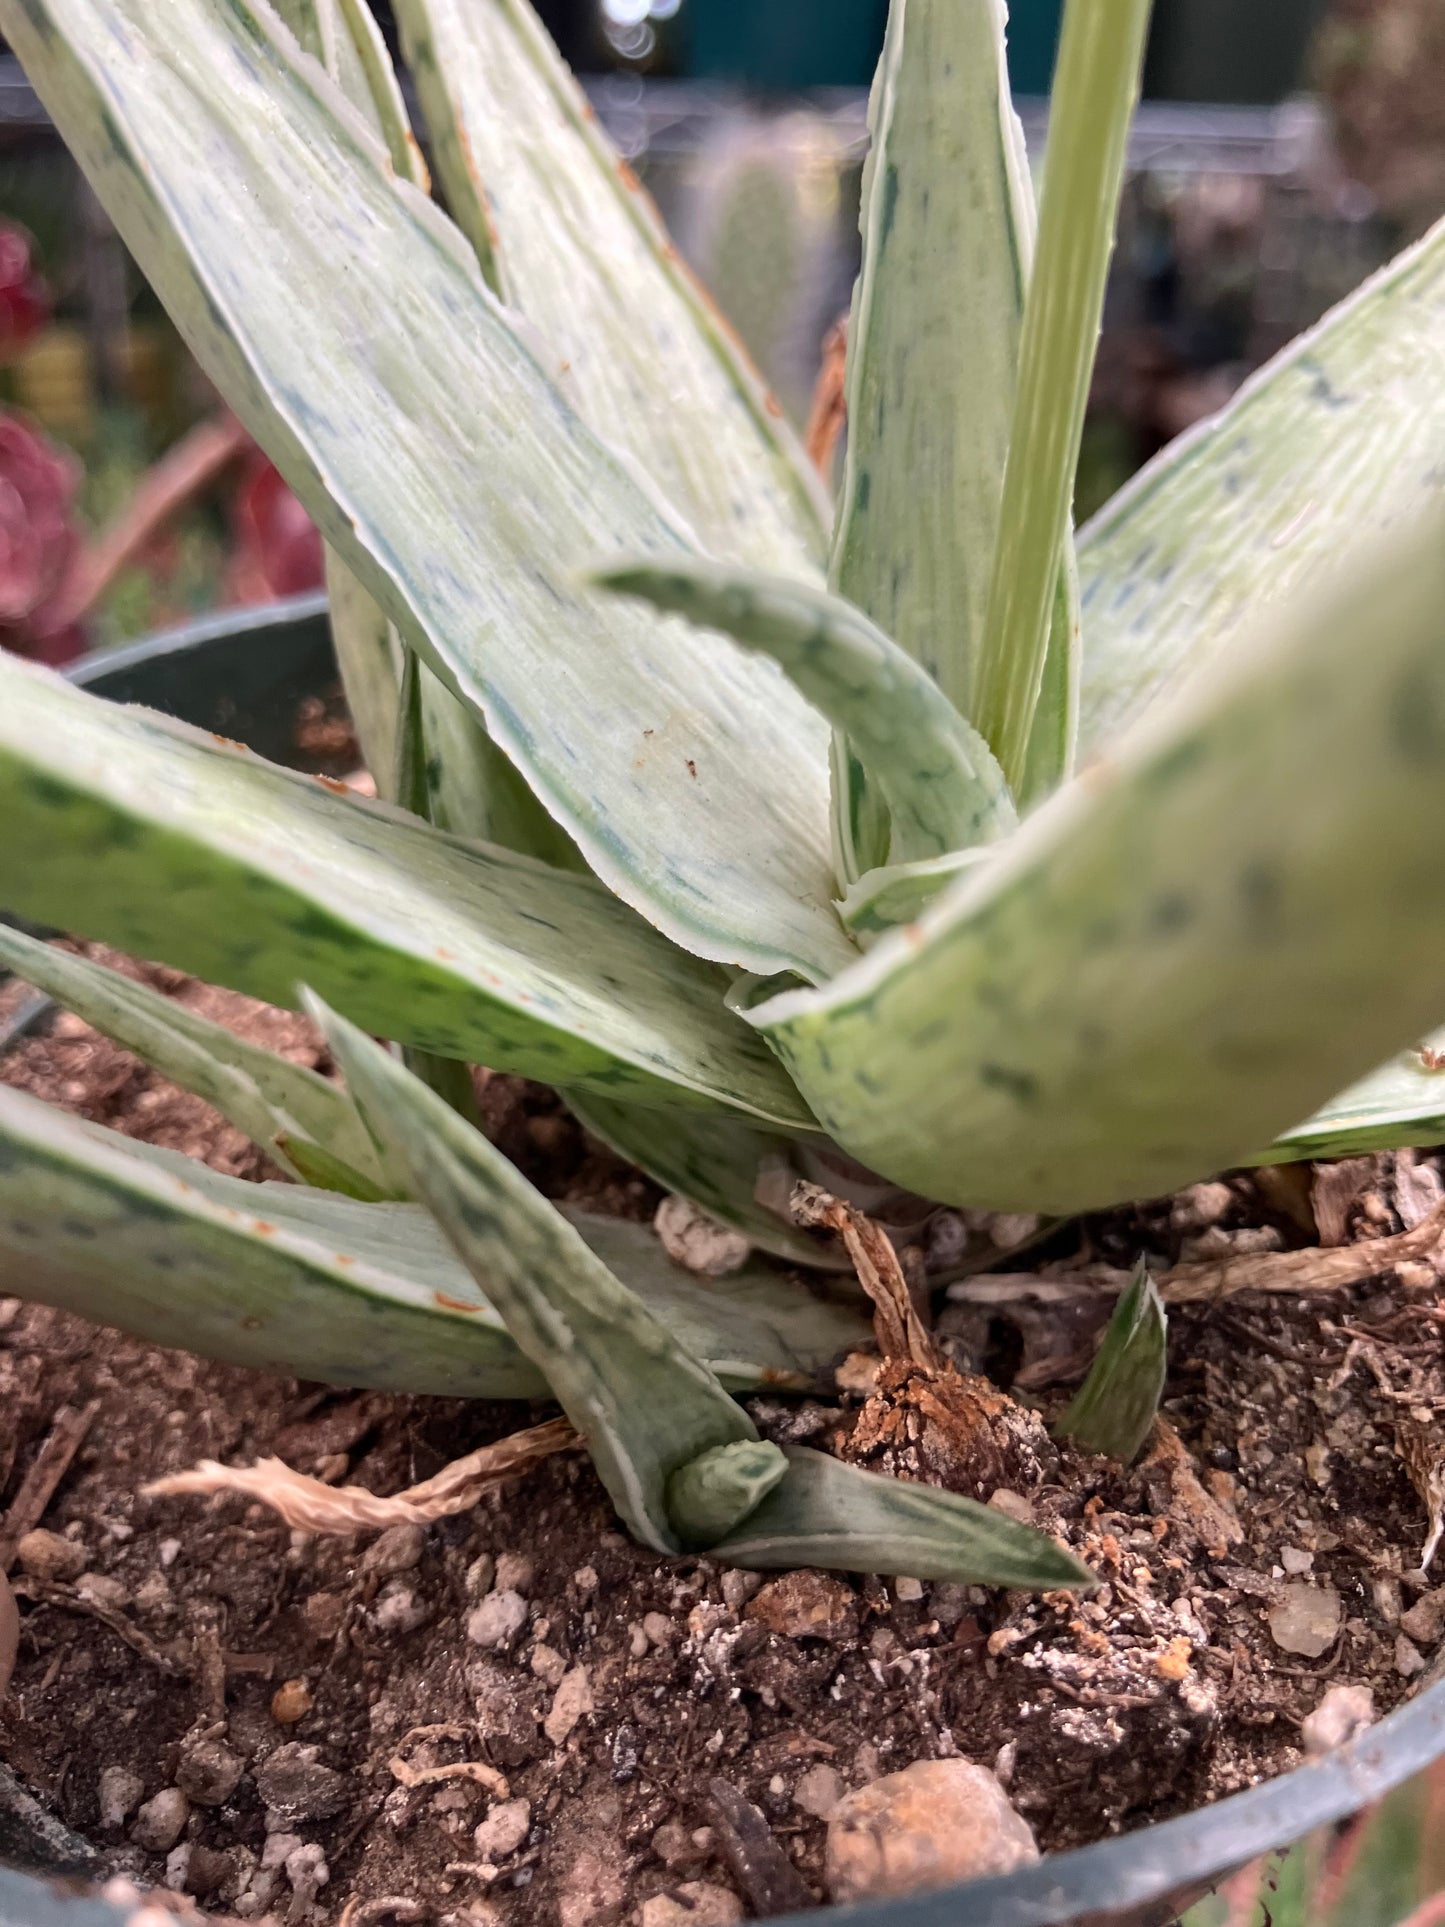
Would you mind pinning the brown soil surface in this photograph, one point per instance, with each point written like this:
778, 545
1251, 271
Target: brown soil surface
295, 1684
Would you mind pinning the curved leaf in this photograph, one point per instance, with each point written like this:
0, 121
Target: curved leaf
171, 843
1402, 1103
533, 180
273, 1101
1185, 950
1096, 86
943, 788
312, 1284
900, 892
347, 323
646, 1406
933, 357
1116, 1405
838, 1516
1339, 435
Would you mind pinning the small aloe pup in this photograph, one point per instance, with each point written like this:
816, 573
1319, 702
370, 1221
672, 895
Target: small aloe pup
750, 823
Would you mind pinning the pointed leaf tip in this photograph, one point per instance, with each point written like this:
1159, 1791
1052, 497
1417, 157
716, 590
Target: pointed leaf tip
1117, 1402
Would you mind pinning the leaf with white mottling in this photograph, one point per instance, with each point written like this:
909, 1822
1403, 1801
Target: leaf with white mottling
1340, 435
1186, 949
646, 1406
649, 363
1402, 1103
170, 843
271, 1100
943, 789
317, 292
1115, 1407
312, 1284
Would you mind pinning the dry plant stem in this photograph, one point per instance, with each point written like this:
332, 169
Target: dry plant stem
829, 413
900, 1332
1423, 1456
474, 1770
47, 1469
309, 1506
44, 1593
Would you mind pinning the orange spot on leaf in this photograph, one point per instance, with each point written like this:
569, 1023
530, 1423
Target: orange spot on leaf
454, 1304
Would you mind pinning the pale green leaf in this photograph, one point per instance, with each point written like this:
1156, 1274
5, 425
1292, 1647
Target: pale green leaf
716, 1491
273, 1101
644, 1403
531, 177
318, 1286
943, 789
900, 892
1115, 1407
1187, 949
933, 358
368, 654
717, 1162
170, 843
1401, 1103
837, 1516
1339, 435
346, 321
1096, 85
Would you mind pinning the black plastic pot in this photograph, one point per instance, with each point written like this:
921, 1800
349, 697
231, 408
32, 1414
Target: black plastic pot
246, 675
1232, 52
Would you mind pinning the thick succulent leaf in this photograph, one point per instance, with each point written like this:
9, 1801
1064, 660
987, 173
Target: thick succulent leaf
645, 1404
368, 654
933, 353
1096, 85
648, 362
900, 892
170, 843
1338, 435
1115, 1407
274, 1102
1183, 952
943, 789
713, 1493
837, 1516
716, 1162
347, 323
1401, 1103
312, 1284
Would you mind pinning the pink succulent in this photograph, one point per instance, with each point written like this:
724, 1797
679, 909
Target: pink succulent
38, 540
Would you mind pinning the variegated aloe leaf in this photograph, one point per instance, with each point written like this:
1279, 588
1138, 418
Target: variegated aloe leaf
368, 654
310, 1283
838, 1516
716, 1162
1403, 1102
645, 358
170, 843
316, 291
900, 892
273, 1101
646, 1405
933, 356
1096, 85
1116, 1405
937, 775
1186, 949
1339, 434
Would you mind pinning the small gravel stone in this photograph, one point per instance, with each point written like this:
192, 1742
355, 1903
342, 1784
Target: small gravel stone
572, 1699
297, 1786
160, 1822
504, 1829
325, 1614
291, 1702
696, 1903
278, 1848
585, 1579
399, 1608
498, 1620
481, 1574
1409, 1660
908, 1591
1295, 1561
119, 1795
1425, 1620
697, 1242
101, 1590
1307, 1620
307, 1871
819, 1790
1013, 1505
209, 1773
46, 1555
807, 1605
515, 1572
658, 1628
738, 1587
168, 1551
548, 1664
1343, 1714
676, 1848
398, 1549
936, 1822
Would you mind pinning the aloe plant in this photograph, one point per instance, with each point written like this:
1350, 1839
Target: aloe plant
751, 825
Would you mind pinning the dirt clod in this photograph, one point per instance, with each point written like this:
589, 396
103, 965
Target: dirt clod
208, 1772
47, 1555
297, 1786
936, 1822
806, 1605
1306, 1620
498, 1620
161, 1821
1341, 1716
